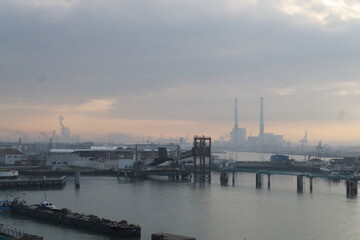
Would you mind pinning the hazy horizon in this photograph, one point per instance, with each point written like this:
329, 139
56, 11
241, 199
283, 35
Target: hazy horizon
138, 69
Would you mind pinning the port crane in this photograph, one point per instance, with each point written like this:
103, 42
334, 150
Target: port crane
51, 140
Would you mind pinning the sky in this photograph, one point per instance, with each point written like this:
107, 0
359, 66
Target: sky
144, 69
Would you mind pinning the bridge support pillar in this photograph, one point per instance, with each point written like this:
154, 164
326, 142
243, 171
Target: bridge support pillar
351, 187
300, 183
311, 184
268, 180
258, 179
77, 178
233, 178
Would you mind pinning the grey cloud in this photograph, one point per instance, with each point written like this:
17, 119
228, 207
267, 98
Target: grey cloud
131, 49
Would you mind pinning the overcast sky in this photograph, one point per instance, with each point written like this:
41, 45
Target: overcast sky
138, 68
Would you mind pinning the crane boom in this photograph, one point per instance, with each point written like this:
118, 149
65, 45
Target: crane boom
51, 140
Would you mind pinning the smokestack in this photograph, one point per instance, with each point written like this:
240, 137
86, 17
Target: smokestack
261, 132
236, 115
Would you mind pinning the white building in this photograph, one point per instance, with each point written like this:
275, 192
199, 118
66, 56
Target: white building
10, 156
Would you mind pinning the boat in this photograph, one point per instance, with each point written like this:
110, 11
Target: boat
48, 205
5, 205
280, 158
12, 232
327, 168
47, 211
4, 174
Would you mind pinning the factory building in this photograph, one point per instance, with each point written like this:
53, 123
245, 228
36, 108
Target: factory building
105, 157
10, 156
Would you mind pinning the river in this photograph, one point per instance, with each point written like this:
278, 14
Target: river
205, 211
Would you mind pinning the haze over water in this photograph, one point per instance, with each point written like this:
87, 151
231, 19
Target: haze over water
205, 211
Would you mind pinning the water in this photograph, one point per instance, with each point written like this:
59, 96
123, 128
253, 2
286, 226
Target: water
205, 211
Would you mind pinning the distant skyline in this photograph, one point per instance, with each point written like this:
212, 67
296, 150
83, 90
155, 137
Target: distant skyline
131, 70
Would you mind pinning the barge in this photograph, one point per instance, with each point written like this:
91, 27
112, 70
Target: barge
67, 217
33, 183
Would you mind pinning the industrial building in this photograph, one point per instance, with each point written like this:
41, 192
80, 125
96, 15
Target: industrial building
107, 157
264, 141
237, 135
10, 156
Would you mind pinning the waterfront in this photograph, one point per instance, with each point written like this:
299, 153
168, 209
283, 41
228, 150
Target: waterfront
204, 211
253, 156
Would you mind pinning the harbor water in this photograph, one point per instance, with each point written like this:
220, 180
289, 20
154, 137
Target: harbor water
205, 211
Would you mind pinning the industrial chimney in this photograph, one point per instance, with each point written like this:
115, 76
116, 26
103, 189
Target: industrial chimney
236, 115
261, 131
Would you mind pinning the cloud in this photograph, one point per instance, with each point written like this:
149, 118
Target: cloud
95, 105
323, 11
347, 89
92, 105
46, 3
281, 91
174, 61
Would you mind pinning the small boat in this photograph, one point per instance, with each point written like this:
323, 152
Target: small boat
327, 168
48, 205
356, 175
5, 205
8, 174
12, 232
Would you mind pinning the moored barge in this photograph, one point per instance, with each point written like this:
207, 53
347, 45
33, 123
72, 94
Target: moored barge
90, 222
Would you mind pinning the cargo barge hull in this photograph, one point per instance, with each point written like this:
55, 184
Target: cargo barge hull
121, 229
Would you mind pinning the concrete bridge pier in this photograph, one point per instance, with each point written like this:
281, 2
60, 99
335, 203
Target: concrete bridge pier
351, 187
311, 183
258, 179
300, 183
77, 178
233, 178
269, 174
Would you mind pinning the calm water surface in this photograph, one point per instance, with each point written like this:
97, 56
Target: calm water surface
205, 211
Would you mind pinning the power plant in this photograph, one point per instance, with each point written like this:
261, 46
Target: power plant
238, 138
237, 135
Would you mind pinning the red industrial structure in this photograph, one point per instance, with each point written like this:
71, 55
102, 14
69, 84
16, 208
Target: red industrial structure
202, 158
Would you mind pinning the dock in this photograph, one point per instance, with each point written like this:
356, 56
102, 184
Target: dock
33, 183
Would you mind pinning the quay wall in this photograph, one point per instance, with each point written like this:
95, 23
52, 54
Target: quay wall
270, 166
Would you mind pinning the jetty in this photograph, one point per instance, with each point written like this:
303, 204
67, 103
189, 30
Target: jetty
33, 183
